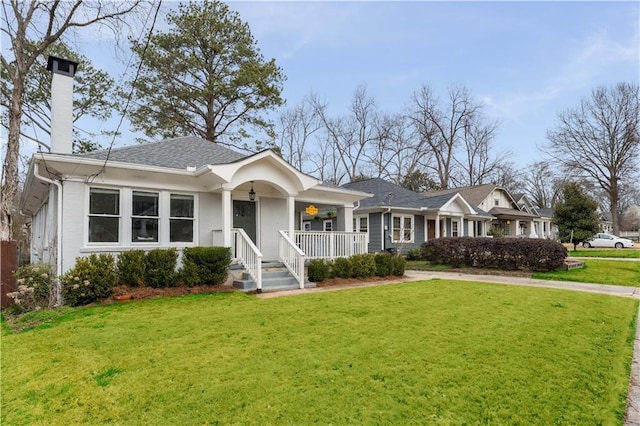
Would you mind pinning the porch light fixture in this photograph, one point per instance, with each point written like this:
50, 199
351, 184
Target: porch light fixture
508, 222
252, 193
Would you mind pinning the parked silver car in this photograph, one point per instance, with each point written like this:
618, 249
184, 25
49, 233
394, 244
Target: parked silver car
607, 240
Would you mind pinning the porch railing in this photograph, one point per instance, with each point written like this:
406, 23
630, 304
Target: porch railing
291, 256
247, 254
329, 245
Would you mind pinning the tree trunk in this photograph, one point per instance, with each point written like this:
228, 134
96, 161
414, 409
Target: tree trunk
10, 170
613, 202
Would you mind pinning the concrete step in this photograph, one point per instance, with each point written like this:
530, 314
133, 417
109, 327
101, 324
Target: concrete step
274, 278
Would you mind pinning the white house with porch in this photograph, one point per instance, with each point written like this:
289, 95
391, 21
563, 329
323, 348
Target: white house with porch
179, 192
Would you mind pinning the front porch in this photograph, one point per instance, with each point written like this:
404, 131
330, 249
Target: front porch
293, 251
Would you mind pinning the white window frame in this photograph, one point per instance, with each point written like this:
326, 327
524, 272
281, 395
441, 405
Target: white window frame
402, 228
88, 215
358, 223
158, 218
455, 232
325, 223
192, 219
125, 219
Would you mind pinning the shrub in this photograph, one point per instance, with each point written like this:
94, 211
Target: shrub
398, 264
341, 267
318, 270
90, 280
383, 264
35, 290
498, 253
131, 266
414, 254
363, 265
205, 265
160, 268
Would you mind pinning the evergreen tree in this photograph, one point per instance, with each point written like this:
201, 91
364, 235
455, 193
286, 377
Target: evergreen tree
206, 77
575, 215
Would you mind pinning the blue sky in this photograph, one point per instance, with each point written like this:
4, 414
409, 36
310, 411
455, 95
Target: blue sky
526, 61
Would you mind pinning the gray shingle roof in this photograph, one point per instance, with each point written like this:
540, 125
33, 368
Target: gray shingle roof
176, 153
390, 194
386, 194
473, 194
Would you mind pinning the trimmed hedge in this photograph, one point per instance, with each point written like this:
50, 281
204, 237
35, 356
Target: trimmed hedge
205, 265
357, 266
131, 267
496, 253
318, 270
160, 268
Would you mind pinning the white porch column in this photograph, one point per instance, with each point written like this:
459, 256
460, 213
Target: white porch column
532, 231
437, 226
291, 214
345, 218
470, 228
226, 217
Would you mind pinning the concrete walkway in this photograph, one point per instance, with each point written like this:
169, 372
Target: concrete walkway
632, 417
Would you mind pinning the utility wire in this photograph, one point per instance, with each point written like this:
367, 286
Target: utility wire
130, 94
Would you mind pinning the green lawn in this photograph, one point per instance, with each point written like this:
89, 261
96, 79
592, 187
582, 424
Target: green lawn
439, 351
611, 253
617, 272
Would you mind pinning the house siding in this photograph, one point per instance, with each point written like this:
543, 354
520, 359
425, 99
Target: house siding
209, 217
375, 237
73, 223
418, 234
272, 218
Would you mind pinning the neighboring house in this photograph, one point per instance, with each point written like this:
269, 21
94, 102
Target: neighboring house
543, 226
511, 219
398, 218
606, 222
178, 193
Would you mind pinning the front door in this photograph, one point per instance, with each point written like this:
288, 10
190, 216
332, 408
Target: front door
431, 229
244, 216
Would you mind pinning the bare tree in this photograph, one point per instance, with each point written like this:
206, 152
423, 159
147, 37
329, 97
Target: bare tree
542, 184
40, 23
351, 135
475, 160
296, 127
396, 151
601, 139
507, 176
441, 126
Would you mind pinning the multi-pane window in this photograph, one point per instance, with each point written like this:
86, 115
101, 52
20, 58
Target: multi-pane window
402, 229
181, 218
328, 225
144, 216
361, 224
104, 215
454, 228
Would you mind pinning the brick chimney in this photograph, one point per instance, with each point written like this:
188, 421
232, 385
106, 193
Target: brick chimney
62, 72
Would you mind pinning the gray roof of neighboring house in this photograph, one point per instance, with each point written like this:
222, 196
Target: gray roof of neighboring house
176, 153
545, 212
386, 194
503, 211
473, 194
389, 194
